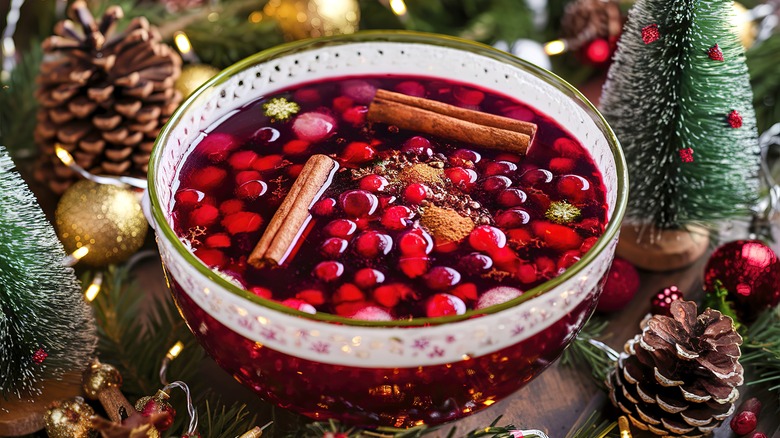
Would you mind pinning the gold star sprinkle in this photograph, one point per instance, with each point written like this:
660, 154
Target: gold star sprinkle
280, 109
561, 212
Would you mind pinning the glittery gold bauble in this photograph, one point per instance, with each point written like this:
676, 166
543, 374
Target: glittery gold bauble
105, 218
301, 19
746, 29
98, 377
193, 76
69, 419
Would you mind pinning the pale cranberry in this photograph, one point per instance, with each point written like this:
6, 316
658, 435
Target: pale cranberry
373, 244
324, 207
415, 193
314, 126
468, 96
512, 218
367, 278
217, 146
497, 295
397, 217
415, 242
442, 277
333, 247
372, 313
410, 88
358, 90
444, 305
340, 228
358, 203
475, 263
299, 305
373, 183
329, 270
496, 183
418, 146
511, 197
560, 165
487, 238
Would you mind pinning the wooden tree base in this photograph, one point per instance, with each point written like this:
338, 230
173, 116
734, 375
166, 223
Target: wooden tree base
23, 417
662, 250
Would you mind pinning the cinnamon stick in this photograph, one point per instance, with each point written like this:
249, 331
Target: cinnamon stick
292, 216
451, 122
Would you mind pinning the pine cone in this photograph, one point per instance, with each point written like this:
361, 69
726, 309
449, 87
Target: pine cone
103, 96
679, 377
586, 20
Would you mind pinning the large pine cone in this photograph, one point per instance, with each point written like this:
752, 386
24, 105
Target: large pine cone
103, 96
586, 20
679, 377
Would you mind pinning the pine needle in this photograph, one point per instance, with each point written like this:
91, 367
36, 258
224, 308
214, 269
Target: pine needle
761, 350
586, 352
596, 426
18, 105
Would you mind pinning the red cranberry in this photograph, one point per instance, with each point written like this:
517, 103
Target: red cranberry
465, 291
251, 189
315, 297
568, 258
385, 201
372, 313
299, 305
265, 134
410, 88
217, 146
242, 160
499, 168
324, 207
212, 258
496, 183
468, 96
744, 422
519, 236
535, 177
247, 175
372, 244
347, 292
512, 218
355, 115
418, 146
358, 203
296, 147
188, 198
268, 162
587, 244
526, 273
504, 258
758, 435
557, 236
497, 295
367, 278
219, 240
561, 165
342, 103
416, 242
487, 238
373, 183
545, 266
314, 126
307, 95
444, 305
242, 222
506, 156
231, 206
511, 197
340, 228
358, 152
475, 263
415, 193
442, 277
204, 216
461, 177
467, 155
573, 187
329, 270
566, 147
397, 217
262, 292
207, 178
333, 247
387, 296
413, 267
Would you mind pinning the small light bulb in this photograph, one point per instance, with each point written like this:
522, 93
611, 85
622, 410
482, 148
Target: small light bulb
94, 288
555, 47
63, 155
175, 350
182, 42
398, 7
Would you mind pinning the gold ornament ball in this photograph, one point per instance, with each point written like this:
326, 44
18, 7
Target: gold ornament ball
193, 76
105, 218
98, 377
301, 19
746, 29
70, 419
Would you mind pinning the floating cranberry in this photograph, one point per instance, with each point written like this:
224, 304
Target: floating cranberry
307, 95
324, 207
444, 305
415, 242
242, 222
219, 240
386, 201
296, 147
441, 278
342, 103
465, 291
468, 96
367, 278
418, 147
347, 292
358, 203
504, 258
299, 305
535, 177
557, 236
545, 266
512, 218
373, 183
397, 217
561, 165
268, 162
372, 313
242, 160
266, 134
340, 228
499, 168
487, 238
329, 270
410, 88
496, 183
262, 292
212, 258
358, 90
207, 178
355, 115
415, 193
567, 147
518, 112
315, 297
511, 197
188, 198
568, 258
251, 190
314, 126
475, 263
333, 247
587, 244
467, 155
497, 295
461, 177
373, 244
519, 236
413, 267
387, 296
231, 206
506, 156
573, 187
217, 146
246, 175
204, 216
526, 273
357, 153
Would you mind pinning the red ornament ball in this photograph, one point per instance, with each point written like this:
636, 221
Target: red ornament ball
598, 51
157, 404
621, 286
662, 301
750, 272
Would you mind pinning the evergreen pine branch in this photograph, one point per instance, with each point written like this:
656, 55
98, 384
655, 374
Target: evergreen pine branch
218, 420
596, 426
765, 80
718, 300
586, 352
18, 105
761, 350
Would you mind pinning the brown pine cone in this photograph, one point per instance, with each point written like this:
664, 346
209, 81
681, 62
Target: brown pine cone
586, 20
103, 96
679, 377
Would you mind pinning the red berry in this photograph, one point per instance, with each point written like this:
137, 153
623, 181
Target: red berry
329, 270
188, 198
324, 207
557, 236
204, 216
158, 406
367, 278
342, 103
587, 244
340, 228
373, 244
513, 218
207, 178
355, 115
251, 190
212, 258
397, 217
566, 147
487, 238
314, 126
461, 177
242, 160
506, 156
661, 302
219, 240
465, 291
504, 258
307, 95
349, 308
247, 175
296, 147
299, 305
415, 193
242, 222
526, 273
347, 292
468, 96
217, 146
269, 162
387, 296
744, 422
357, 153
758, 435
262, 292
413, 267
373, 183
496, 183
385, 201
441, 278
573, 187
462, 155
497, 295
560, 165
511, 197
333, 247
418, 146
415, 242
519, 236
568, 258
536, 177
475, 263
410, 88
444, 305
499, 168
315, 297
231, 206
358, 203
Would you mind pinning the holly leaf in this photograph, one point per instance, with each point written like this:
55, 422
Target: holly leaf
717, 300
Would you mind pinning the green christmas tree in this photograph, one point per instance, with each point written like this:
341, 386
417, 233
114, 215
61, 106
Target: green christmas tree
46, 327
679, 99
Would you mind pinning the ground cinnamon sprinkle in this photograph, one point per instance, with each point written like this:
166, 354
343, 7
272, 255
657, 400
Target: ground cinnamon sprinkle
421, 173
445, 225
